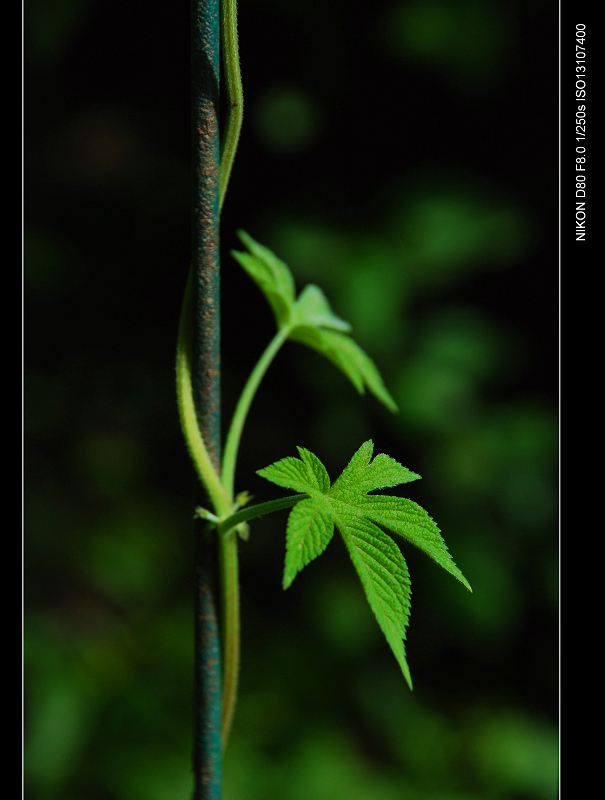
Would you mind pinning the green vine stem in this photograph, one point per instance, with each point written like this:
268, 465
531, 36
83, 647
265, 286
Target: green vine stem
228, 537
228, 544
186, 405
220, 492
241, 412
259, 510
235, 94
229, 541
229, 572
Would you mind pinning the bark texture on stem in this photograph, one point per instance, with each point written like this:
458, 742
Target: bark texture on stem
205, 71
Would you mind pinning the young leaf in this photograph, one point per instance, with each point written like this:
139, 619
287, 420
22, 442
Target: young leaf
309, 318
271, 275
312, 310
348, 506
348, 356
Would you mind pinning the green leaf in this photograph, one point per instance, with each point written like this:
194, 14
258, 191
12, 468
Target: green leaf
386, 581
271, 275
348, 356
312, 310
310, 528
305, 474
347, 505
411, 521
310, 319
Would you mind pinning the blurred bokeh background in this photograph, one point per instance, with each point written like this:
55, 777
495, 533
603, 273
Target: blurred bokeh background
403, 155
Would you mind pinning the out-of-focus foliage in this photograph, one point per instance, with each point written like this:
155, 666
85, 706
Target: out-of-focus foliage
381, 158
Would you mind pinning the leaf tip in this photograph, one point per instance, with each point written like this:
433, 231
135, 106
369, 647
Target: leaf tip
288, 578
463, 580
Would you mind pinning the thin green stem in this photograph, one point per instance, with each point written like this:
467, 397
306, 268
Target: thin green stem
258, 510
230, 630
243, 406
228, 543
235, 94
231, 602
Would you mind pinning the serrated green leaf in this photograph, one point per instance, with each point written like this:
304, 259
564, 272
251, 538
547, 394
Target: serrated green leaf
306, 473
310, 319
357, 514
362, 475
310, 528
386, 581
411, 521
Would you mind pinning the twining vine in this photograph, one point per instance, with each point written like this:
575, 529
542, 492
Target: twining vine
319, 506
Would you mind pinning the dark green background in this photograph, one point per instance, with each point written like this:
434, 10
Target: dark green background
402, 155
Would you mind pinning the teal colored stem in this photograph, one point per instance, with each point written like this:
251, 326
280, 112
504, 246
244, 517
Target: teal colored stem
241, 412
258, 510
208, 694
198, 372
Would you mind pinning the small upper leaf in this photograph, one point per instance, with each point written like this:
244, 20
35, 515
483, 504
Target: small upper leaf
309, 319
312, 310
271, 275
348, 506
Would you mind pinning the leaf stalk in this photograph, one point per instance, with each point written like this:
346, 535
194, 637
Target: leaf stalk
243, 406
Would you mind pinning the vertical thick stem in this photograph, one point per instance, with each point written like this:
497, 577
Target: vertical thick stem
206, 374
205, 244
